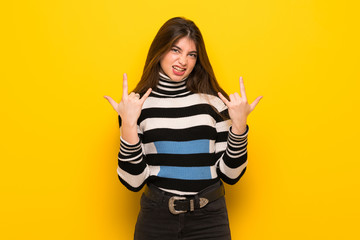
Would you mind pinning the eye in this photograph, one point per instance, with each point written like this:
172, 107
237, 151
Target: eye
175, 50
193, 55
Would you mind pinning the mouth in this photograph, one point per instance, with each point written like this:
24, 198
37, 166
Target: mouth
178, 70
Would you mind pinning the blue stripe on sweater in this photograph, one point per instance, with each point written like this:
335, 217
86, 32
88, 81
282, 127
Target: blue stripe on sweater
185, 173
187, 147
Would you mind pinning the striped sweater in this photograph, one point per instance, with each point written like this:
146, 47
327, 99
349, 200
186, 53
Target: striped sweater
185, 145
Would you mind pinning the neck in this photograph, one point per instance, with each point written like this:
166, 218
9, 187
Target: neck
167, 78
168, 87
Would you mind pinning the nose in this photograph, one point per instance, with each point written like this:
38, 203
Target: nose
182, 60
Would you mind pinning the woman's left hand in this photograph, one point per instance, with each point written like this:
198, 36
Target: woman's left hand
239, 108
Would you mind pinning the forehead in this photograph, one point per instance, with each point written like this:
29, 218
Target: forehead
186, 43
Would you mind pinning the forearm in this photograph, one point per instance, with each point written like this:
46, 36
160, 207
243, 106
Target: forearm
132, 168
233, 162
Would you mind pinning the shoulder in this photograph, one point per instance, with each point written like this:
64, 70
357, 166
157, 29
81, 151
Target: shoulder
215, 101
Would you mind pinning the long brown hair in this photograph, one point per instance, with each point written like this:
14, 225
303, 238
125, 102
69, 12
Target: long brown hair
202, 78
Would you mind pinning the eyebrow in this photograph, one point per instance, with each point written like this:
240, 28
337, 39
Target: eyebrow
181, 49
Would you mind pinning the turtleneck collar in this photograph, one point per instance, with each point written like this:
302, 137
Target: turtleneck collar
169, 88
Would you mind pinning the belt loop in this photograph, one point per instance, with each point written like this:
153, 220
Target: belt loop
192, 205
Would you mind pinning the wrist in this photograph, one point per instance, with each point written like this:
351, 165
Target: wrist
128, 131
239, 128
129, 124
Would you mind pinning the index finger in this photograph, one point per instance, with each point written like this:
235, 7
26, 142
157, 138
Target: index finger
242, 88
125, 85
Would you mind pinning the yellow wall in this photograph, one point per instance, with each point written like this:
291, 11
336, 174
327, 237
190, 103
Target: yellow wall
59, 136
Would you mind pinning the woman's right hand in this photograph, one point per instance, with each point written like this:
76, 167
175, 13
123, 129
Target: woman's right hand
130, 105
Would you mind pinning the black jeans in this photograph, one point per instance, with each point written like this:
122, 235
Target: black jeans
156, 222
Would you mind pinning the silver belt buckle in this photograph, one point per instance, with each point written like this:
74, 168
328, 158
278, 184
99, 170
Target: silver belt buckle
172, 205
203, 202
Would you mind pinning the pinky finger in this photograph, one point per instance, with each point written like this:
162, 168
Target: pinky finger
111, 101
255, 102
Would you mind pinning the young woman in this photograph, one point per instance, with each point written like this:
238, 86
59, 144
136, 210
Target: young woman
181, 136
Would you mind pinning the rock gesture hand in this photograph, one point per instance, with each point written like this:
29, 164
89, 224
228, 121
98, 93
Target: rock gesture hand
129, 110
239, 108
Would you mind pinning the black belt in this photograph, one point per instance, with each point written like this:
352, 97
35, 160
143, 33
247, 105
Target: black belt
181, 204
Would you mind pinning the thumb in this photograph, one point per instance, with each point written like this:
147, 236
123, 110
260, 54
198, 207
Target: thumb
146, 95
223, 98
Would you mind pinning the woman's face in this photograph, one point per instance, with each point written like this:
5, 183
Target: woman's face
179, 62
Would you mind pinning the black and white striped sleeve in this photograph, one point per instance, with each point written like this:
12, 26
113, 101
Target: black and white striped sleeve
132, 169
232, 153
232, 164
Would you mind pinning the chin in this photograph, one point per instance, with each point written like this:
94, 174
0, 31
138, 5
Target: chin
177, 78
174, 77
